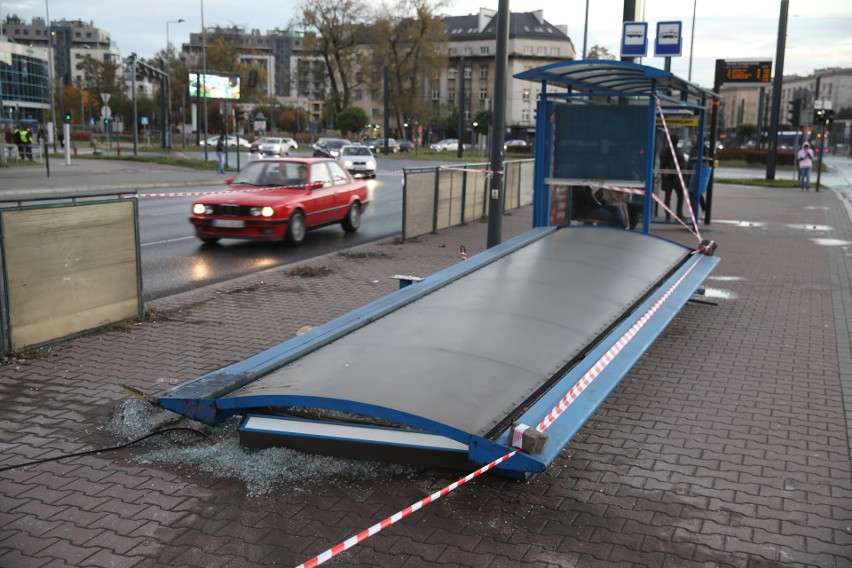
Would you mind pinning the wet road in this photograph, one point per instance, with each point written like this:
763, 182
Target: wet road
173, 260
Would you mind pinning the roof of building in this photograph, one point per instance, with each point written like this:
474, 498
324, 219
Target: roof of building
484, 26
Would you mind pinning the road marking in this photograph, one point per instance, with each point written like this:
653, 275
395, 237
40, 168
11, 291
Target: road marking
166, 241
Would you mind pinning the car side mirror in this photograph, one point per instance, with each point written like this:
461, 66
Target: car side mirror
229, 181
315, 185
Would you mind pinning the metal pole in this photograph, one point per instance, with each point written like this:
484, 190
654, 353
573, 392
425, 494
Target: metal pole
586, 30
386, 121
50, 70
692, 41
204, 76
460, 122
496, 196
777, 85
135, 110
169, 80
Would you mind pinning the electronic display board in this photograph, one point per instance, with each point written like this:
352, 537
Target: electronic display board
217, 86
753, 72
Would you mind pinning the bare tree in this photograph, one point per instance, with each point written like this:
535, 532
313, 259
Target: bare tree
336, 24
406, 37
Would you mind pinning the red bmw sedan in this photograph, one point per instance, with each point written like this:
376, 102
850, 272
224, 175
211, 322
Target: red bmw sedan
281, 199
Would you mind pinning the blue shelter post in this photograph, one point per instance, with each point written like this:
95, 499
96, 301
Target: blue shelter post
649, 165
541, 202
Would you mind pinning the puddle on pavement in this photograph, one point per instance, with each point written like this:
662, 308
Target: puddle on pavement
809, 227
741, 223
831, 242
718, 294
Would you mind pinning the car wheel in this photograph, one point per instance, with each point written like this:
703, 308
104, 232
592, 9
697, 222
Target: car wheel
353, 218
296, 228
209, 240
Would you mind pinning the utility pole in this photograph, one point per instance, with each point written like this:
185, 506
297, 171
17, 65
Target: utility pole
496, 195
460, 123
777, 85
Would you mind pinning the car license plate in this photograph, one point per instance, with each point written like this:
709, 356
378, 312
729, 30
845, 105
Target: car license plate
229, 223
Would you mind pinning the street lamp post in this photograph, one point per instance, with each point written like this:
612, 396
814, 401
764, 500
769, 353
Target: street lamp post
169, 82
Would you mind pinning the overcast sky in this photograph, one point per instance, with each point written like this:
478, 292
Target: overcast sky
819, 33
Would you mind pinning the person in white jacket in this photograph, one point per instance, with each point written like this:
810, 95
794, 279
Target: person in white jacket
804, 158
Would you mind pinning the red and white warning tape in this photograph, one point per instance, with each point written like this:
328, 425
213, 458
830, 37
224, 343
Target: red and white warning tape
672, 149
474, 170
611, 353
551, 417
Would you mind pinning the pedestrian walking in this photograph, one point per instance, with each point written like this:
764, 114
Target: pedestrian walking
805, 158
19, 141
670, 182
220, 154
27, 137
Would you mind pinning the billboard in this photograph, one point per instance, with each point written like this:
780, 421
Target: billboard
217, 86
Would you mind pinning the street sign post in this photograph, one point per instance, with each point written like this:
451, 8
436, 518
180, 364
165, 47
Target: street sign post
669, 42
634, 39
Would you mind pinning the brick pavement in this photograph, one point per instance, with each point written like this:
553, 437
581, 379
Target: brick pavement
726, 445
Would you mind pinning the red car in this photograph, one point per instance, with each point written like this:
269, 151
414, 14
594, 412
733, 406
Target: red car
280, 199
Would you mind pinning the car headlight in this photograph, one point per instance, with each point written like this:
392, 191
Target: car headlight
334, 152
348, 163
371, 164
201, 209
267, 211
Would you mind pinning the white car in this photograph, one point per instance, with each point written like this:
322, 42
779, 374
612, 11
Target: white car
450, 144
276, 146
358, 160
231, 141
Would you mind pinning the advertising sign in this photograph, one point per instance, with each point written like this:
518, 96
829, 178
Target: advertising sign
216, 86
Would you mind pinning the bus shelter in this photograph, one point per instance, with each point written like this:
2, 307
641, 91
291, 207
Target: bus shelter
599, 124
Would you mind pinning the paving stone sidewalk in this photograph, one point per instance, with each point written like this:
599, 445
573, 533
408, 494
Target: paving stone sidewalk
726, 445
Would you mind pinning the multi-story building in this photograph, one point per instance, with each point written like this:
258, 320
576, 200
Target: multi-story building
72, 42
470, 50
24, 83
533, 42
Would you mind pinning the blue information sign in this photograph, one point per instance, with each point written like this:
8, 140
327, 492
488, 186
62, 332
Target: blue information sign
669, 41
634, 39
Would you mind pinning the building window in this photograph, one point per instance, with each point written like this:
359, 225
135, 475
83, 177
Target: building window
377, 113
359, 95
483, 50
483, 72
468, 51
541, 50
467, 114
436, 94
527, 50
554, 51
467, 72
451, 73
452, 51
451, 95
483, 94
525, 114
525, 95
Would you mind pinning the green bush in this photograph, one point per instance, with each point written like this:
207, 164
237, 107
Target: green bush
755, 156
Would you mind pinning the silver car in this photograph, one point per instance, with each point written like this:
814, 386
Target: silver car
276, 147
358, 160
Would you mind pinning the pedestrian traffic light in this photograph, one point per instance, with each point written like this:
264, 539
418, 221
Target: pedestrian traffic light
794, 112
67, 117
819, 116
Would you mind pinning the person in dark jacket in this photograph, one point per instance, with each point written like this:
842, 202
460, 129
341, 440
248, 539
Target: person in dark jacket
669, 181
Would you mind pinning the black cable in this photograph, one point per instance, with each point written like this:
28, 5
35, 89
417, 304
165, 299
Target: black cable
113, 448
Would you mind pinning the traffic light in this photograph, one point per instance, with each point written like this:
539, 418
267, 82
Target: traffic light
819, 116
794, 113
67, 117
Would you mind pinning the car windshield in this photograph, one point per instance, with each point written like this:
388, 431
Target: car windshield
355, 151
269, 173
272, 141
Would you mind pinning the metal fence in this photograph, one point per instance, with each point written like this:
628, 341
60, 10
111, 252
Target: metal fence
446, 196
